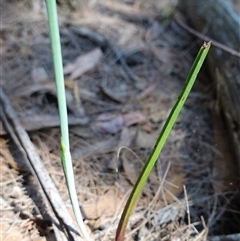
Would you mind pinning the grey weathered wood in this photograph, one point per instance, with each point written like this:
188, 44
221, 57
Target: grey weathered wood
218, 20
36, 167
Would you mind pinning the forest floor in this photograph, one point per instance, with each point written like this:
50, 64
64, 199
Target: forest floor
125, 63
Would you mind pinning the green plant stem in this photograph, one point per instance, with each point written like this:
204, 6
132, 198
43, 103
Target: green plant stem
161, 141
59, 80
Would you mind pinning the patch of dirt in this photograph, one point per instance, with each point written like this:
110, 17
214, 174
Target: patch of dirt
125, 63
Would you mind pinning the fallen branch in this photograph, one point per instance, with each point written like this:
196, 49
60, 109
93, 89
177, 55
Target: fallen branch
35, 166
34, 123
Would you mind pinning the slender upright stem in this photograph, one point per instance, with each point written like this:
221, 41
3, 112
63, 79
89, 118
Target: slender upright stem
61, 96
161, 141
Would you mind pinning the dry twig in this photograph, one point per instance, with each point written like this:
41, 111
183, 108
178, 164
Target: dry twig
34, 164
207, 39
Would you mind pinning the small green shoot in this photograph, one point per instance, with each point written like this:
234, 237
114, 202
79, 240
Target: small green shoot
65, 149
59, 79
137, 189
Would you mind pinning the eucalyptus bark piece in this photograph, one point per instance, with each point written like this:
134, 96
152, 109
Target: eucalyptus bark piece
218, 20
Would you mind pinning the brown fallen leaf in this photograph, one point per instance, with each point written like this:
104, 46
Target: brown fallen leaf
39, 74
102, 207
48, 86
107, 116
125, 140
83, 63
102, 146
160, 113
174, 181
132, 166
146, 140
116, 124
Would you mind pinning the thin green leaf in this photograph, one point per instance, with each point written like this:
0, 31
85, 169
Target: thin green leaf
61, 96
137, 189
